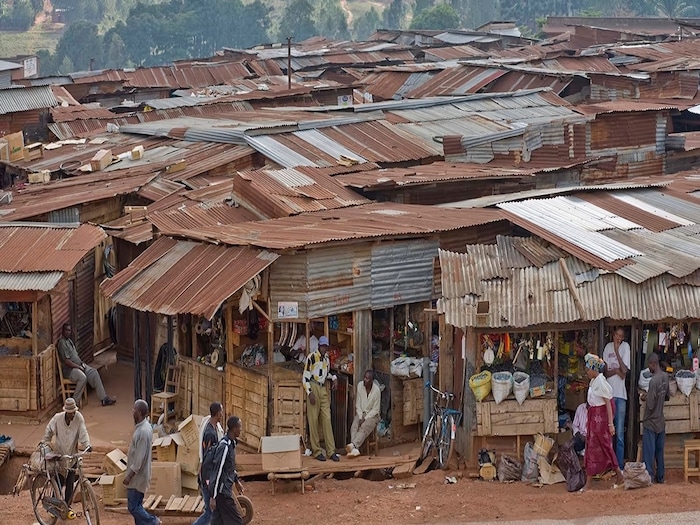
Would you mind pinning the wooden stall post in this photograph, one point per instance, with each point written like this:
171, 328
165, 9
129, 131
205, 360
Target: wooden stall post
361, 344
446, 361
35, 324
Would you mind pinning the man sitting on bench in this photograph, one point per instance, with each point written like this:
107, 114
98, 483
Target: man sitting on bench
77, 371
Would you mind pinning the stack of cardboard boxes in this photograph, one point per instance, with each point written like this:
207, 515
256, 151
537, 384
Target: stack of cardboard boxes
173, 471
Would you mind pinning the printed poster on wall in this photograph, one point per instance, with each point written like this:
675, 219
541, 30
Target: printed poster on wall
287, 310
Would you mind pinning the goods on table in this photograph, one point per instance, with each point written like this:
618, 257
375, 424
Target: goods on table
501, 385
480, 384
521, 386
644, 378
685, 379
537, 386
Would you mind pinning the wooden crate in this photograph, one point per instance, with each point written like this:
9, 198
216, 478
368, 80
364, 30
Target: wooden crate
682, 413
511, 419
200, 386
289, 408
247, 397
413, 400
18, 384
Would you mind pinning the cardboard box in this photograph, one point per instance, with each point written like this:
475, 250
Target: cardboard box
112, 488
166, 447
165, 479
192, 493
188, 458
189, 430
114, 462
15, 146
34, 151
189, 481
101, 160
281, 453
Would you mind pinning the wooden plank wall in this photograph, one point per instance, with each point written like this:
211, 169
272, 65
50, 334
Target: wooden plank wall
682, 413
18, 391
289, 408
48, 385
200, 386
247, 397
511, 419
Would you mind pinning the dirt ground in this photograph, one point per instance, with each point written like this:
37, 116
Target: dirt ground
360, 501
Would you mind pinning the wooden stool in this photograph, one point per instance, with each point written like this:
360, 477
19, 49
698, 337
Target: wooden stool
692, 446
372, 442
303, 476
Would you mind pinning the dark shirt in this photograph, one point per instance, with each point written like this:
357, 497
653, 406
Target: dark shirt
66, 350
654, 408
209, 439
223, 473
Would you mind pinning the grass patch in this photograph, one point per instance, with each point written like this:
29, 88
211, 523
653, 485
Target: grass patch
46, 36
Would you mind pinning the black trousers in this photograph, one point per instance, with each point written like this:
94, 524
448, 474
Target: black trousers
226, 512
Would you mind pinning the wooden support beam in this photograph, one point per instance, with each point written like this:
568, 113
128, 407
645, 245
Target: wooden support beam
572, 288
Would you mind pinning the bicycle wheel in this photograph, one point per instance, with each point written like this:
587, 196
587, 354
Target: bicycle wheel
429, 439
91, 512
246, 507
446, 442
44, 489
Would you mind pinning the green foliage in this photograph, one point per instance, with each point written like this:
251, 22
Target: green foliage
19, 18
367, 24
47, 63
297, 22
80, 44
441, 16
395, 15
422, 5
331, 21
92, 10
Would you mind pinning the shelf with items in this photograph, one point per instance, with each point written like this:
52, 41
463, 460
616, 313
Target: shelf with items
15, 320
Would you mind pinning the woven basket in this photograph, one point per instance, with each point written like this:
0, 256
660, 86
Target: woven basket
543, 444
480, 384
521, 386
501, 385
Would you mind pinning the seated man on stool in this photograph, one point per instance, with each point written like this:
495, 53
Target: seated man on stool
367, 403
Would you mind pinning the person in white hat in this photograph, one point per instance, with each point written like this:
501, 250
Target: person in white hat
318, 409
67, 430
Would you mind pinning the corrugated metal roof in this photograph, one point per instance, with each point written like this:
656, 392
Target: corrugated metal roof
34, 281
176, 277
533, 296
195, 215
9, 66
14, 100
45, 247
358, 222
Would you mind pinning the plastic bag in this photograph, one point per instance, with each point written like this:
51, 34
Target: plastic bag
636, 476
685, 379
509, 469
570, 466
530, 469
644, 378
400, 366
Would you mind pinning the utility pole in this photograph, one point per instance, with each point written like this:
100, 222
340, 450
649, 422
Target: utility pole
289, 62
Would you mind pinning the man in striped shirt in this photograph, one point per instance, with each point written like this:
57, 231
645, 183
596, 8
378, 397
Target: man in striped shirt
224, 475
318, 410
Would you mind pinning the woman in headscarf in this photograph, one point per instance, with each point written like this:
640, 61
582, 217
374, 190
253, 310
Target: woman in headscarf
600, 455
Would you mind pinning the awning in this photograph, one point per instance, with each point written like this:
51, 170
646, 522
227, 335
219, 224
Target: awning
30, 281
177, 277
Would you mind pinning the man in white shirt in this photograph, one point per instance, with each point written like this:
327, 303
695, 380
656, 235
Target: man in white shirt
579, 427
617, 363
367, 403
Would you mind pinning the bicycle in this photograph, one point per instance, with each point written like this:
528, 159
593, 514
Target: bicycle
47, 488
441, 429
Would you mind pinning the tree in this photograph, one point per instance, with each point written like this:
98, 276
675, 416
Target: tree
394, 15
19, 18
115, 53
673, 8
47, 63
422, 5
331, 20
441, 16
367, 24
66, 66
80, 43
297, 22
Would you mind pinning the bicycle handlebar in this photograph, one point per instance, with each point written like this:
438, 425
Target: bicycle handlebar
444, 395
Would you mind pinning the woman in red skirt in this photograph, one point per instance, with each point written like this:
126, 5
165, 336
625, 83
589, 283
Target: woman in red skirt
600, 455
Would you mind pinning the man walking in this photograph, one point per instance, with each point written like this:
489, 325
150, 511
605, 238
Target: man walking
77, 371
318, 409
617, 363
210, 438
654, 434
224, 475
367, 403
138, 466
67, 430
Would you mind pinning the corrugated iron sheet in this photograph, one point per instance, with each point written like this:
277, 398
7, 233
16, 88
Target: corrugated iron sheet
15, 100
402, 272
195, 215
45, 248
458, 80
39, 281
289, 283
358, 222
173, 277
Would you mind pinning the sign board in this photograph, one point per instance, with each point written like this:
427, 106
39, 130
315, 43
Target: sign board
287, 310
30, 67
